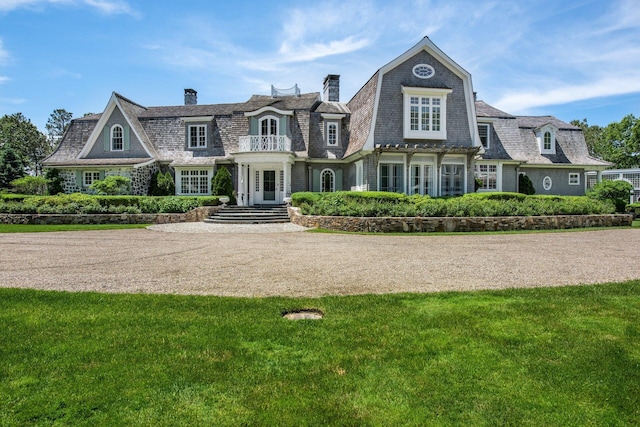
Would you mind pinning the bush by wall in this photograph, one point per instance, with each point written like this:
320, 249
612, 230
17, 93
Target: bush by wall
617, 192
78, 203
30, 185
380, 204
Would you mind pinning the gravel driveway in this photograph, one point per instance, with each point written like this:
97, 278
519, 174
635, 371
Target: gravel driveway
310, 264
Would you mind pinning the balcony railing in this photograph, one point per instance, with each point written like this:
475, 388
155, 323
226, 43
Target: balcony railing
255, 143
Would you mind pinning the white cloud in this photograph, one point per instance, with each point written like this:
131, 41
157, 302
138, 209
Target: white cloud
4, 79
108, 7
521, 102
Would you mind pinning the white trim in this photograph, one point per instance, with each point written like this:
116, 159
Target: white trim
326, 129
428, 67
97, 131
268, 108
574, 174
540, 135
111, 137
333, 179
206, 137
331, 116
197, 119
424, 93
488, 127
269, 117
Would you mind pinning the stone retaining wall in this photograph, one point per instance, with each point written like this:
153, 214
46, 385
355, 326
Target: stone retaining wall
194, 215
455, 224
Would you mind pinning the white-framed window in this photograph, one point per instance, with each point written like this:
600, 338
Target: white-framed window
574, 178
89, 177
327, 181
392, 177
488, 174
117, 138
333, 134
421, 179
195, 181
197, 136
268, 126
452, 179
546, 137
547, 141
485, 134
547, 183
425, 113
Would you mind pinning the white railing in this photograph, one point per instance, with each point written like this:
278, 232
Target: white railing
264, 143
364, 187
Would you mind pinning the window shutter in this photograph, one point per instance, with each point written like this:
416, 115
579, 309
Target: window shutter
315, 186
107, 138
283, 125
79, 179
127, 141
253, 126
338, 183
101, 175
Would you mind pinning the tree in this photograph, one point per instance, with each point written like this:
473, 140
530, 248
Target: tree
618, 192
592, 135
525, 185
57, 124
221, 184
54, 181
618, 142
29, 143
11, 166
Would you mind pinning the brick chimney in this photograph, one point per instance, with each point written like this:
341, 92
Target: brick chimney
332, 88
190, 97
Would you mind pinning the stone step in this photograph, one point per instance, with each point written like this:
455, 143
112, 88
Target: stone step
249, 215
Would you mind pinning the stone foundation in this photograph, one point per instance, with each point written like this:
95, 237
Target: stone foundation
195, 215
457, 224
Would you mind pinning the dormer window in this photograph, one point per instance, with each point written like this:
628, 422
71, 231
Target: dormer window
483, 132
332, 134
546, 137
268, 126
425, 112
197, 136
117, 138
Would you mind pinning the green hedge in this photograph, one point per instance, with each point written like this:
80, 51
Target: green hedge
379, 204
78, 203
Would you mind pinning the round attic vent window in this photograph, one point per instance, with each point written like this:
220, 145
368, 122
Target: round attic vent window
547, 183
423, 71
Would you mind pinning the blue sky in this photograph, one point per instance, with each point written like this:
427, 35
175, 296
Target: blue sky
573, 58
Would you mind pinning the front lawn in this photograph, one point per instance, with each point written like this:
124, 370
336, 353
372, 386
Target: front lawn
550, 356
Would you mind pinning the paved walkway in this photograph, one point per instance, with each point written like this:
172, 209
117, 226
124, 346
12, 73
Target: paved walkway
311, 264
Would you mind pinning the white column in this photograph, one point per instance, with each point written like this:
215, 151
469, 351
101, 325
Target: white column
241, 185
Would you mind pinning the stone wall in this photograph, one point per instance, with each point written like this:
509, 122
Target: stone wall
457, 224
195, 215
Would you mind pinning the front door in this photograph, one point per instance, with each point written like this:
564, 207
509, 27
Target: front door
269, 186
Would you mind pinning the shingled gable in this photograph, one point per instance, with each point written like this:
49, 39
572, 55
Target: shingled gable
363, 97
130, 111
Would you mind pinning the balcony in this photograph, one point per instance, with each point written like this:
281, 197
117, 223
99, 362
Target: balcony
262, 144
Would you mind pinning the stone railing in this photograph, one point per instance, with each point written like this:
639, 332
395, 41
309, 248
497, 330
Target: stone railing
195, 215
457, 224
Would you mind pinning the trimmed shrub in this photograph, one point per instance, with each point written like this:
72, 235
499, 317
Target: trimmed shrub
618, 192
30, 185
112, 185
162, 184
222, 185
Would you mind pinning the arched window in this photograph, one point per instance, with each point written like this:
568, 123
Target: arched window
117, 140
547, 141
268, 126
327, 181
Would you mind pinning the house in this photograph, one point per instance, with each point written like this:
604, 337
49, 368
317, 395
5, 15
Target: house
414, 127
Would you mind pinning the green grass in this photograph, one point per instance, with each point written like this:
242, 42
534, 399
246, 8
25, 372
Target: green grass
549, 356
36, 228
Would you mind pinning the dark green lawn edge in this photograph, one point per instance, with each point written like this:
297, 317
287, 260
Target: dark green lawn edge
38, 228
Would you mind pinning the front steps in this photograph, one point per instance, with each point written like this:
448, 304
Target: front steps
250, 215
